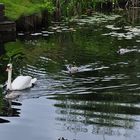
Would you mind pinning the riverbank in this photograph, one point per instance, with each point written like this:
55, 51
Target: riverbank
33, 15
59, 8
15, 10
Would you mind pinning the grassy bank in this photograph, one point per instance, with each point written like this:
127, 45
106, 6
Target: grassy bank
15, 9
64, 8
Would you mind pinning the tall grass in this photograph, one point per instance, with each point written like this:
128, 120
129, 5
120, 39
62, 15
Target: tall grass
77, 7
17, 8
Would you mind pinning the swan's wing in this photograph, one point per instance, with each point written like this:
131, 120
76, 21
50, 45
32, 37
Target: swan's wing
33, 80
74, 70
21, 82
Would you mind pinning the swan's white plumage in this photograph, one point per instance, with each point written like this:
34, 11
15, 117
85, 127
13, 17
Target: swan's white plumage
33, 80
21, 82
72, 69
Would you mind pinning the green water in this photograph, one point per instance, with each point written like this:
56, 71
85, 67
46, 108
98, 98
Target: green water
101, 101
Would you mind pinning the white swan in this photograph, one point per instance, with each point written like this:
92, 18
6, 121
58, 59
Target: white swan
20, 83
72, 69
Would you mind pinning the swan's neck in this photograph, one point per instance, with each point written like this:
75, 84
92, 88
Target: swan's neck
9, 85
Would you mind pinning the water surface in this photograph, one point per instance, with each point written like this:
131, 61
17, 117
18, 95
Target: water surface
99, 102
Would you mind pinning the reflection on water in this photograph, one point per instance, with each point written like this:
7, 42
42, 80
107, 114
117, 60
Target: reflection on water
133, 15
101, 99
7, 109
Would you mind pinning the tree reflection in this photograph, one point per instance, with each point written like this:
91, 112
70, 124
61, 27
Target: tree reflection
78, 112
133, 15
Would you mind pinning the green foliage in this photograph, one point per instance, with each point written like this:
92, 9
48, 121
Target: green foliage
12, 49
68, 8
14, 9
77, 7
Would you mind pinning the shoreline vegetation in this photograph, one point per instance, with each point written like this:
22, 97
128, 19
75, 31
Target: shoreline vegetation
62, 8
31, 15
15, 9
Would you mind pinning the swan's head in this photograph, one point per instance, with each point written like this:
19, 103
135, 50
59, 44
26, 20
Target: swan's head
9, 67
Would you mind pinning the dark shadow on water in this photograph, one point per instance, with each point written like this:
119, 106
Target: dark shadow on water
4, 121
8, 109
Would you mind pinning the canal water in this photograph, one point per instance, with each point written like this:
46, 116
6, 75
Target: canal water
101, 101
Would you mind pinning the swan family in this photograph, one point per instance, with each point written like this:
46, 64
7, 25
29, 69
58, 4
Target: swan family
24, 82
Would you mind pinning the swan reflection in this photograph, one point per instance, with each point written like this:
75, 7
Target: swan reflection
13, 95
8, 108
